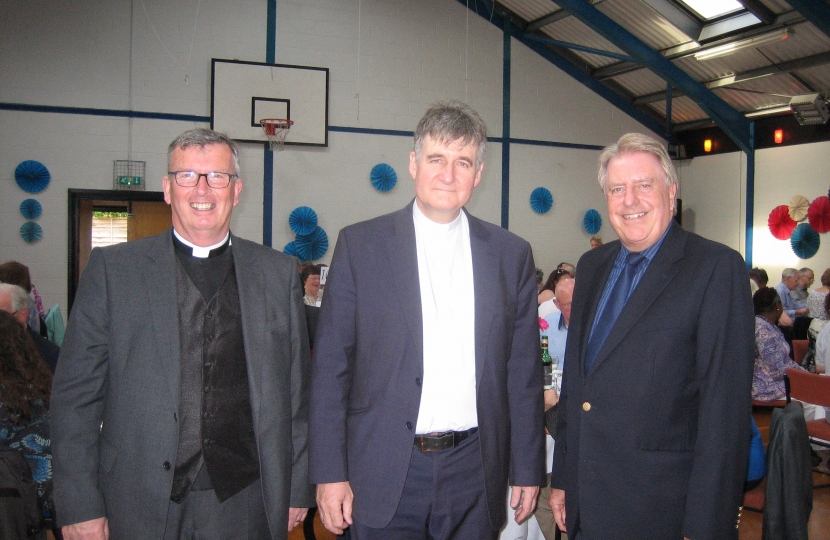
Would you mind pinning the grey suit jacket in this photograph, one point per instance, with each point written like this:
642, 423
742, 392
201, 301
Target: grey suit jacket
116, 392
653, 441
368, 363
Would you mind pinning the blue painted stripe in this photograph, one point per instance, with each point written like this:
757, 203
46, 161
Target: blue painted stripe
575, 146
103, 112
267, 196
750, 196
268, 155
505, 111
370, 131
206, 119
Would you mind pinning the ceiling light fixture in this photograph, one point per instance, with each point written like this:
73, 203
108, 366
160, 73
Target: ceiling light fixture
810, 109
729, 48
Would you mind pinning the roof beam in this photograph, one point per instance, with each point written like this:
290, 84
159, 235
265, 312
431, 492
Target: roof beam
677, 17
551, 18
816, 11
676, 52
757, 8
568, 62
778, 69
733, 123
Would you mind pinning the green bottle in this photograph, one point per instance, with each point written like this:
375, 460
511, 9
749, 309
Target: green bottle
547, 364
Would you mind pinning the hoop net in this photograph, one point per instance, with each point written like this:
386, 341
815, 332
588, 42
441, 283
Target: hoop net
276, 130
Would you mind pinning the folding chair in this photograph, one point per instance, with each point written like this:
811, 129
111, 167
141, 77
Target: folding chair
815, 389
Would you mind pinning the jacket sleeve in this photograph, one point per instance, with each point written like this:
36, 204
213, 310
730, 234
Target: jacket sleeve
302, 491
331, 376
524, 386
724, 362
78, 392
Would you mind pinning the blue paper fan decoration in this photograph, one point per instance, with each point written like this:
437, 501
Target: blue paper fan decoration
383, 177
312, 246
541, 200
805, 241
290, 249
303, 220
592, 221
31, 232
31, 209
32, 176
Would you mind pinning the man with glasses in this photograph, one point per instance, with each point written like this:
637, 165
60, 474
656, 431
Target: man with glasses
806, 278
179, 410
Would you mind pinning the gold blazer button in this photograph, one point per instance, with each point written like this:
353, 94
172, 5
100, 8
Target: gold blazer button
586, 406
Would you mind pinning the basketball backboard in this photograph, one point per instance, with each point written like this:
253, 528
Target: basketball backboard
243, 93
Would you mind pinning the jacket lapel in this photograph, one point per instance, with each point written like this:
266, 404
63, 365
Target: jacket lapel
252, 307
402, 257
160, 282
660, 272
486, 271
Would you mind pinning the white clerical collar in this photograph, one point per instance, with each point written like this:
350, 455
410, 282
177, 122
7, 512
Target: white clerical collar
427, 225
199, 251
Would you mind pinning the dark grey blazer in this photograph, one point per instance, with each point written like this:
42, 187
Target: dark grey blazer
653, 442
120, 367
368, 360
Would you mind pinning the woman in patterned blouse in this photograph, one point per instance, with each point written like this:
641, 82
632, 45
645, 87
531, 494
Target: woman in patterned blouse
772, 353
25, 383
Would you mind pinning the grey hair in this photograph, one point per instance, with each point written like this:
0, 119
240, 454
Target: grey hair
805, 270
631, 143
788, 272
450, 121
19, 297
202, 137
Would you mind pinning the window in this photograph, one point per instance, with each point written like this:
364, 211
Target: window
712, 9
108, 228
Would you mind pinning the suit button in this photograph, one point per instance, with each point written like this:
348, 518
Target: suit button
166, 465
586, 406
418, 381
409, 425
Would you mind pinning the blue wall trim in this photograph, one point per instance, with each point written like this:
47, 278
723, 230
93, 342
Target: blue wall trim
505, 111
268, 155
370, 131
750, 195
575, 146
103, 112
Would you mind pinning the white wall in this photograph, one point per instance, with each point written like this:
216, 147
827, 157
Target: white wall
388, 60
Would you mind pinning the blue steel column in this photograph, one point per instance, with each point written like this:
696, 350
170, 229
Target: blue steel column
268, 155
668, 112
505, 130
750, 194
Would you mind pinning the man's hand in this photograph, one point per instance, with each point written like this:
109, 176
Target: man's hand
557, 504
334, 502
802, 311
523, 501
784, 320
551, 398
296, 516
94, 529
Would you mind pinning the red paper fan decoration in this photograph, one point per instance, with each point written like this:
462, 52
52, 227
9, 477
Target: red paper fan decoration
819, 214
781, 225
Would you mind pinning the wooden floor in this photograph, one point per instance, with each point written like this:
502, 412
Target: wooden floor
751, 522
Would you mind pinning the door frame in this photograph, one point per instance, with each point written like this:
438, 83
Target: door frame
74, 198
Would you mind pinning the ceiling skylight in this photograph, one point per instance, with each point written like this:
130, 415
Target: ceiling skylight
711, 9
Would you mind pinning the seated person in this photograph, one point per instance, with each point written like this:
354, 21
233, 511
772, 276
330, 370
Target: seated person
772, 353
311, 284
14, 300
815, 301
24, 403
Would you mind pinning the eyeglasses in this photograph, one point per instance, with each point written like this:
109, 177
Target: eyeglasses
191, 178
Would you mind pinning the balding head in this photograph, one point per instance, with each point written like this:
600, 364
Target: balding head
14, 300
563, 298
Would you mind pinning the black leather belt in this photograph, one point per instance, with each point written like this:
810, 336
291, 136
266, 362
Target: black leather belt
435, 442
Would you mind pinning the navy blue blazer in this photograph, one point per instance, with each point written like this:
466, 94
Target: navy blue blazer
368, 361
653, 442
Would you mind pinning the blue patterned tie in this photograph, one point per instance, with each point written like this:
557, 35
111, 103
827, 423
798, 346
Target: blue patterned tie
616, 301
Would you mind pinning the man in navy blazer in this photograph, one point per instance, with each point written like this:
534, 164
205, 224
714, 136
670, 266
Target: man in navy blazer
653, 433
426, 382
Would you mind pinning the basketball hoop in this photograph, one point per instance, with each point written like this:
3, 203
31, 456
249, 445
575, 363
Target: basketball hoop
276, 130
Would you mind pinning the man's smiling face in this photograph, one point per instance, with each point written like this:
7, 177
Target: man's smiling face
640, 204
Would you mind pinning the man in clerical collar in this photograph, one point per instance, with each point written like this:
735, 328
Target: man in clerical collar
181, 403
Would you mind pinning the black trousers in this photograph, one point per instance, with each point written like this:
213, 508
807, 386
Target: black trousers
443, 499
